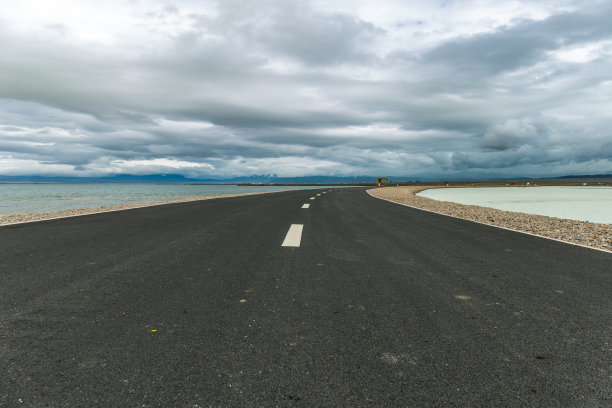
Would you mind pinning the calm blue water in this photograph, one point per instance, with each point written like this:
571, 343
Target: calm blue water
39, 198
593, 204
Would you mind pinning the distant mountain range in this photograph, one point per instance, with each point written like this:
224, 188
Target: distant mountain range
261, 179
584, 177
122, 178
177, 178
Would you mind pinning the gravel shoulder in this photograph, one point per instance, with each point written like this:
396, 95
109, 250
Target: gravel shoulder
578, 232
31, 217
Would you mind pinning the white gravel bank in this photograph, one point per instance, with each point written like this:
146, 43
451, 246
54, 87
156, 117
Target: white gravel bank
579, 232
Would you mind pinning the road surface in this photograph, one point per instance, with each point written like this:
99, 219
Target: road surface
199, 304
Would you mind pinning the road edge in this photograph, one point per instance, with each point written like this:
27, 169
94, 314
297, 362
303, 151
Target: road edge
139, 206
491, 225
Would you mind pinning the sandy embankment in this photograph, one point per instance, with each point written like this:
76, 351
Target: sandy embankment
579, 232
19, 218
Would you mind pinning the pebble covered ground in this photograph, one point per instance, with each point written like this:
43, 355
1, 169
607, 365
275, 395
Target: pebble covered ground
18, 218
579, 232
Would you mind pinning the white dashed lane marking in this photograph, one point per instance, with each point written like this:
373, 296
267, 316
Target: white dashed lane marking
294, 236
306, 206
312, 198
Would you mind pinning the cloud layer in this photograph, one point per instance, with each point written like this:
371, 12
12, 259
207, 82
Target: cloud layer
227, 88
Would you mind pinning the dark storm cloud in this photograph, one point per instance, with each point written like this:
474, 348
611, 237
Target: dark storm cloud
510, 134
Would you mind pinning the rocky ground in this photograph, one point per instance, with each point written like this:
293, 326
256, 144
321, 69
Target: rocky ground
17, 218
579, 232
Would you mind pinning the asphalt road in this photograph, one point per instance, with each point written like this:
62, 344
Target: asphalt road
198, 304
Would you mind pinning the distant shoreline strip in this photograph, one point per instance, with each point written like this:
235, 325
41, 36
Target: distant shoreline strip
15, 219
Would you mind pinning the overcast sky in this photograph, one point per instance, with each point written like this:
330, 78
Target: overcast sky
296, 88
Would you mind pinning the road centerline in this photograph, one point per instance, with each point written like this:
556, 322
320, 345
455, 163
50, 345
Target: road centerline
294, 236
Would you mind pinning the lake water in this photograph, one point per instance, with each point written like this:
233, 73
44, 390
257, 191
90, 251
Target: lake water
593, 204
39, 198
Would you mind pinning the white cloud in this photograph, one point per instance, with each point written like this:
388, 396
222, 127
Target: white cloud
163, 162
11, 166
148, 166
584, 53
291, 166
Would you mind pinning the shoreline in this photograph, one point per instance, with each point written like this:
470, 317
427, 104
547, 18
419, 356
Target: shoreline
583, 233
13, 219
